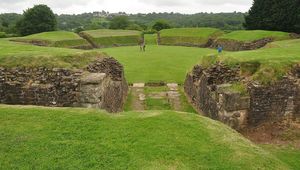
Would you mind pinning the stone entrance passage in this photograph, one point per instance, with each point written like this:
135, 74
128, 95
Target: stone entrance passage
161, 97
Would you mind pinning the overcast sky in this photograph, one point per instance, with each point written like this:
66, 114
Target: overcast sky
129, 6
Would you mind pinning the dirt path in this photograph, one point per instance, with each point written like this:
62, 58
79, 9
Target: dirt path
138, 101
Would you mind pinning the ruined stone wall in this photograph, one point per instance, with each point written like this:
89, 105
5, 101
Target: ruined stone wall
101, 85
209, 91
233, 45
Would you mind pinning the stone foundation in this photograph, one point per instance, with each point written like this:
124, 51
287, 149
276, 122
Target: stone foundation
209, 90
101, 85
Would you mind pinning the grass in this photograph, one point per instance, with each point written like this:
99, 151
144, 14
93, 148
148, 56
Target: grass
156, 103
150, 39
188, 36
273, 62
54, 36
111, 33
190, 32
249, 36
111, 38
186, 106
158, 63
14, 54
288, 155
64, 138
55, 39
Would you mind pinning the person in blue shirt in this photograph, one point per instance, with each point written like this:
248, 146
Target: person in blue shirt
220, 49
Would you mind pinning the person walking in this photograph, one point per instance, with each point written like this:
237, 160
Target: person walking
143, 46
220, 49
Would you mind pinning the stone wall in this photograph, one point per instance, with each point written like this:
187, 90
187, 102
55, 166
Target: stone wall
210, 91
233, 45
101, 85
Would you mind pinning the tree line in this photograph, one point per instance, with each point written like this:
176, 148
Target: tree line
276, 15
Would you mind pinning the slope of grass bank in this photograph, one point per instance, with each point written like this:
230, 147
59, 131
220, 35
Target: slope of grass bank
55, 39
273, 62
64, 138
287, 155
110, 38
158, 63
188, 36
252, 35
14, 54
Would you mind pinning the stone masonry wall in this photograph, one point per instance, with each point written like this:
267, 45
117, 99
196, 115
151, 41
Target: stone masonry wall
101, 85
209, 91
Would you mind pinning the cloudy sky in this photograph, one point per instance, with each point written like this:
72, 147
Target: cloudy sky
129, 6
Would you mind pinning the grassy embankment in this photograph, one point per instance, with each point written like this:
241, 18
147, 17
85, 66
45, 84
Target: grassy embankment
55, 138
268, 64
14, 54
55, 39
188, 36
111, 38
249, 36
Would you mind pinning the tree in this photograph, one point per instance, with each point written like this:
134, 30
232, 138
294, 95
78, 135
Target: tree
161, 24
38, 19
119, 22
275, 15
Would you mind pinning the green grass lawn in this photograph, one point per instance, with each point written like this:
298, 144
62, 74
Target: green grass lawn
248, 36
150, 39
14, 54
275, 60
64, 138
288, 155
190, 32
55, 39
190, 36
54, 36
110, 33
111, 38
158, 63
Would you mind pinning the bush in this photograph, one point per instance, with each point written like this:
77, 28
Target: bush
3, 35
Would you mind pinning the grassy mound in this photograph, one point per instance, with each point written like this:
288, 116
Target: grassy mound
188, 36
110, 38
158, 63
249, 36
14, 54
55, 39
42, 138
271, 63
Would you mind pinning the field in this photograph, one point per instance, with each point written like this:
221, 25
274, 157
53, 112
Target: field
158, 63
52, 138
249, 36
55, 39
110, 38
188, 36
